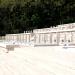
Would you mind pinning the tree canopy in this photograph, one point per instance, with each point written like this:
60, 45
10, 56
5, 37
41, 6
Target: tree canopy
17, 16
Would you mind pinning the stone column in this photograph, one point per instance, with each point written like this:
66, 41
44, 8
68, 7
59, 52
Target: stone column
39, 38
17, 37
23, 38
71, 37
44, 39
65, 37
13, 37
29, 37
35, 38
9, 37
51, 38
26, 38
73, 33
58, 37
48, 38
20, 37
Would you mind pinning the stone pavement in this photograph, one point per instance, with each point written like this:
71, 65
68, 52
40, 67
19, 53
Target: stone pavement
37, 61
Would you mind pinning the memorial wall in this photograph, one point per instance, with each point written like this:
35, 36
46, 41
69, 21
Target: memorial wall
53, 36
60, 35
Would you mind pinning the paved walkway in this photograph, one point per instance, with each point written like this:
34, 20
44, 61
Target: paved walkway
38, 61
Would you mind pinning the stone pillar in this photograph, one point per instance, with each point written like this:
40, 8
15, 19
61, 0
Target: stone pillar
9, 37
26, 37
65, 37
58, 37
20, 37
13, 37
39, 38
71, 37
16, 37
35, 38
44, 39
51, 38
23, 38
29, 37
48, 40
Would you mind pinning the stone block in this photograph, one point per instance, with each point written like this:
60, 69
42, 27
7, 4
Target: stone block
10, 47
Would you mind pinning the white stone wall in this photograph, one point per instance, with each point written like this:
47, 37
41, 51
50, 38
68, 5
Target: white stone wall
42, 38
37, 39
68, 37
73, 37
18, 37
54, 38
62, 38
60, 35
